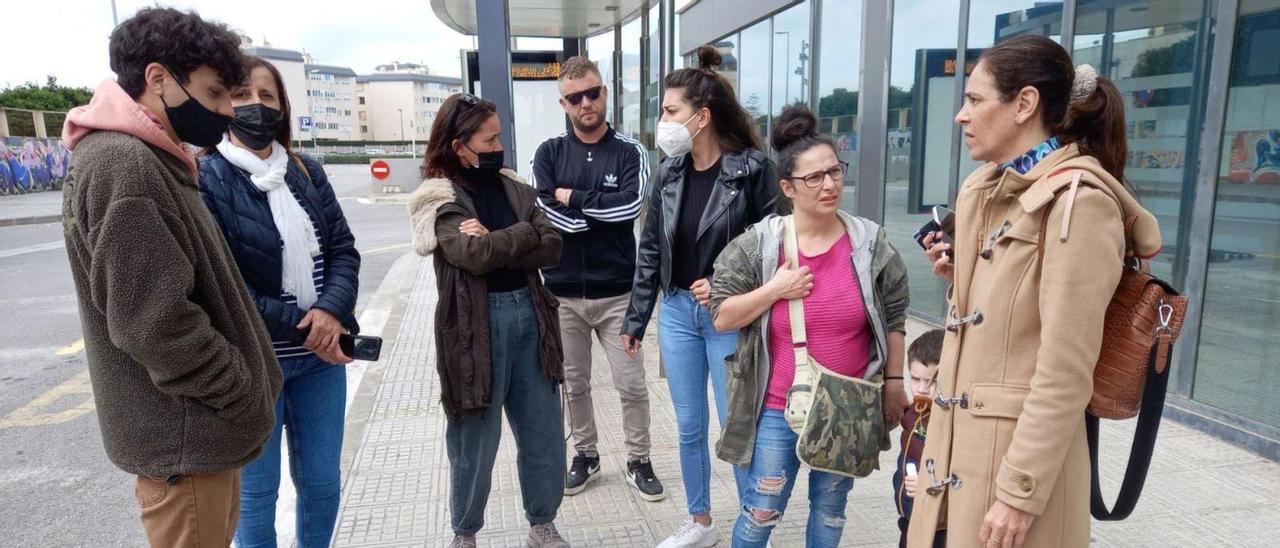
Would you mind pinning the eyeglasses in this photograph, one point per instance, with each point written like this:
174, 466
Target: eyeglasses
815, 179
575, 99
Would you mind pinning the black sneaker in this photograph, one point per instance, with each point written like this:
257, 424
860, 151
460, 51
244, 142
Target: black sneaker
584, 470
640, 475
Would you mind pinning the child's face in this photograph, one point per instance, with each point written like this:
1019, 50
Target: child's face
922, 378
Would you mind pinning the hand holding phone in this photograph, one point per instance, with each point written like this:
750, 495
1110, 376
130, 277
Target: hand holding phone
940, 230
361, 348
944, 222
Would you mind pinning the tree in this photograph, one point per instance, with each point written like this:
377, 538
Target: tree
1178, 57
50, 97
899, 98
841, 102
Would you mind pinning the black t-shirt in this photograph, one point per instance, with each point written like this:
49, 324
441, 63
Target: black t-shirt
495, 213
697, 192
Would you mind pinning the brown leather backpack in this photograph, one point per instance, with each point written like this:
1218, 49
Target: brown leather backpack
1130, 379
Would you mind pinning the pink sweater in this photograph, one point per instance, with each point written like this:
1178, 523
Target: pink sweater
840, 337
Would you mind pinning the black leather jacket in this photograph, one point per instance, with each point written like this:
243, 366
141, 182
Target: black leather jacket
745, 193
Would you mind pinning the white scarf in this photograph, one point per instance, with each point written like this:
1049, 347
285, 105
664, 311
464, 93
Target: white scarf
295, 227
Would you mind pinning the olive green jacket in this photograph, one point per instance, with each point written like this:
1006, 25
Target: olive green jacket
750, 261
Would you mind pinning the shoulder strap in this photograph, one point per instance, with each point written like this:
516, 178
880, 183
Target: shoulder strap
799, 338
1071, 190
1144, 444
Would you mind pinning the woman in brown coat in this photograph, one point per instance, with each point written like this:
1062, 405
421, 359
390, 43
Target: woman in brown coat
1006, 462
497, 328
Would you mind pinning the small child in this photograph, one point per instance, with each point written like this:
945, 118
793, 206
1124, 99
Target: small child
922, 358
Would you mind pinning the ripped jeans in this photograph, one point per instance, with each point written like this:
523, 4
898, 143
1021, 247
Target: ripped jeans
774, 466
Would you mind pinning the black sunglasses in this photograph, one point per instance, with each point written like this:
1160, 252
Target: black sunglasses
815, 179
465, 98
575, 98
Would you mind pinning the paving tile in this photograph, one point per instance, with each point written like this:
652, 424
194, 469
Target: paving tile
1200, 491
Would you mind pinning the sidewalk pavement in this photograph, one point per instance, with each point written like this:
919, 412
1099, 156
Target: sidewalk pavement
28, 209
1200, 491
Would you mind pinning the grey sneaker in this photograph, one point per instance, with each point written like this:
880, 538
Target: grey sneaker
544, 535
461, 541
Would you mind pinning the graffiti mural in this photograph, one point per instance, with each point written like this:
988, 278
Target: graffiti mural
32, 165
1255, 157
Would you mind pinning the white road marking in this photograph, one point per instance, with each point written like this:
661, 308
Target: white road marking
50, 246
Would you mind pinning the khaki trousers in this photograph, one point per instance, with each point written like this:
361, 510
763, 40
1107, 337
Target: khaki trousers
198, 510
579, 320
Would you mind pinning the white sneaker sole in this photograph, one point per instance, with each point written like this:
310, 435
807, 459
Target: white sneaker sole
631, 480
705, 544
593, 476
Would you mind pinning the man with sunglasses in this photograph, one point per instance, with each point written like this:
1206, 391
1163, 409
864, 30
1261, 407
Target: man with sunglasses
591, 183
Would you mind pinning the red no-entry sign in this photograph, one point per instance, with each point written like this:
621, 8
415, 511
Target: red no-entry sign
380, 170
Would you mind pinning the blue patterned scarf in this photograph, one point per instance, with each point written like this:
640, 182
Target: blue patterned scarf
1024, 163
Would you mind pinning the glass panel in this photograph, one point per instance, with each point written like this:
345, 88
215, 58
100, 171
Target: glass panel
600, 51
630, 92
991, 21
1239, 348
653, 88
729, 59
677, 61
790, 57
753, 73
838, 72
920, 79
1156, 53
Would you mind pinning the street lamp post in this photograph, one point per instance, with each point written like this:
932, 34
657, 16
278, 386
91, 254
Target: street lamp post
401, 112
787, 90
314, 127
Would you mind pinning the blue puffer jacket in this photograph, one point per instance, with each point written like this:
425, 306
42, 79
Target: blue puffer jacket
245, 217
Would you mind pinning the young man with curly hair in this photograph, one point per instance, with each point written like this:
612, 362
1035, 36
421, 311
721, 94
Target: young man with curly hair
183, 373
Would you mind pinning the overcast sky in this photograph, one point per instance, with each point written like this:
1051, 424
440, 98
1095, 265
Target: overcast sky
68, 38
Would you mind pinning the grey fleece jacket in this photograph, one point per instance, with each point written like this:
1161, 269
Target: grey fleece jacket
181, 365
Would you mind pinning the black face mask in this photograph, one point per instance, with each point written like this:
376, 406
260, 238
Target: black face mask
489, 161
256, 125
193, 122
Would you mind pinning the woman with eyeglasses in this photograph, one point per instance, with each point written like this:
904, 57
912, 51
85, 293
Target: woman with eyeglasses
716, 183
497, 327
853, 285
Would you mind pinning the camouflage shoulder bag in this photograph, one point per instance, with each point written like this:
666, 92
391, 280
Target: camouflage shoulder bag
838, 418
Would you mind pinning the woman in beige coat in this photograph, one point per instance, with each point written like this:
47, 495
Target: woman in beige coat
1006, 462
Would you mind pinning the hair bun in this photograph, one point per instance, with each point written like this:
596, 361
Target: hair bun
796, 122
709, 57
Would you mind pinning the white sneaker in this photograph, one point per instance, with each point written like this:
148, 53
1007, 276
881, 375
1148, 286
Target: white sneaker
692, 534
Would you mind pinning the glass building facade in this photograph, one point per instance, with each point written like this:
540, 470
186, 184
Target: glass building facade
1201, 82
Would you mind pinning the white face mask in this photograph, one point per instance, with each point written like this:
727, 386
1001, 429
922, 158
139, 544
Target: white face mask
674, 139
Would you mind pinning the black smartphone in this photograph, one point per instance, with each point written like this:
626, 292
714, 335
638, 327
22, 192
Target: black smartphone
944, 221
361, 348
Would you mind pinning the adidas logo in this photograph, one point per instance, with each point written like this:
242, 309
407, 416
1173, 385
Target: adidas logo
611, 180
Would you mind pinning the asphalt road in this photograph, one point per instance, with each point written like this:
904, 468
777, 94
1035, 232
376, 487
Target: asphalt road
57, 487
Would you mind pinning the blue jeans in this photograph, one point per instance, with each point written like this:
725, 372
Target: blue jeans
774, 466
311, 406
692, 350
532, 403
